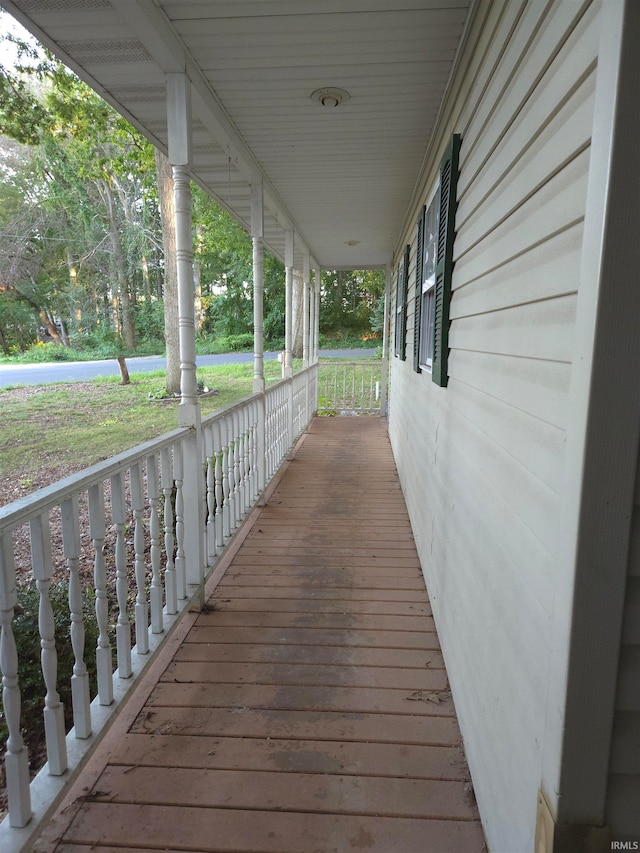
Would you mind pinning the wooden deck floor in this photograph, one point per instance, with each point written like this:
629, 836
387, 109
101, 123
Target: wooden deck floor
307, 709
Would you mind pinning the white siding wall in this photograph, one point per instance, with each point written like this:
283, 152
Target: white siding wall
481, 461
623, 794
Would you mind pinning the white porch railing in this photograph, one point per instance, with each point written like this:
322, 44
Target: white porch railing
350, 388
125, 519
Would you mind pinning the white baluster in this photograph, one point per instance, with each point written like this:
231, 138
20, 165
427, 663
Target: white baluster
260, 448
123, 626
42, 565
246, 461
166, 477
219, 494
155, 593
233, 472
226, 481
104, 661
211, 496
267, 444
371, 389
239, 462
80, 699
16, 759
253, 455
140, 567
178, 473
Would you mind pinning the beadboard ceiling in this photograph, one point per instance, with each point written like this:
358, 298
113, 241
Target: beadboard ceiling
341, 177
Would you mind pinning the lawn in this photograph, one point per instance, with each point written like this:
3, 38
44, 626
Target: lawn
49, 431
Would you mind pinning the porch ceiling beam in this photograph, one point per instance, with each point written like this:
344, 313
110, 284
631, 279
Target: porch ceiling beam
156, 33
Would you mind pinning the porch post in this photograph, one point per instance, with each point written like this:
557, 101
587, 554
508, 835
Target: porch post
288, 317
316, 331
305, 311
257, 234
312, 319
384, 376
179, 128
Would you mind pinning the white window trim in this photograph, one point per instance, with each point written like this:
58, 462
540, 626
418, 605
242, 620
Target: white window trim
428, 284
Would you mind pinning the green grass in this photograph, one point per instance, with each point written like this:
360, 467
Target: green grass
52, 430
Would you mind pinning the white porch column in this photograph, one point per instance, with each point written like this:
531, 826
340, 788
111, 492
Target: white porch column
305, 311
312, 320
257, 234
387, 302
288, 321
179, 128
384, 376
316, 329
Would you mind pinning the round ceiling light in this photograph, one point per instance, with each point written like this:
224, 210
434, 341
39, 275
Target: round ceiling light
330, 97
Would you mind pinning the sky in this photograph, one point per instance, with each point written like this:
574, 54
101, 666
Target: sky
8, 53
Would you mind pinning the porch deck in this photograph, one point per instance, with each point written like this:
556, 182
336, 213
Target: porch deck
307, 707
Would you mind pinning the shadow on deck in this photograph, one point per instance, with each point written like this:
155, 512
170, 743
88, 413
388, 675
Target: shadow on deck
306, 708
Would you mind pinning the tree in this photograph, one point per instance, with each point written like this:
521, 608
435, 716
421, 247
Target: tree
94, 188
348, 301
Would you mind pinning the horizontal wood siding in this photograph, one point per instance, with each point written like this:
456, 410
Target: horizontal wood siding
481, 461
623, 793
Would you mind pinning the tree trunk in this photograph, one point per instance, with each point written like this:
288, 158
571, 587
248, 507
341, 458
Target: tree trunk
64, 331
128, 327
168, 218
3, 342
124, 371
146, 279
48, 322
73, 276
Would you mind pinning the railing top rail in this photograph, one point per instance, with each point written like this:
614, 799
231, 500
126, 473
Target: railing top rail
53, 495
337, 362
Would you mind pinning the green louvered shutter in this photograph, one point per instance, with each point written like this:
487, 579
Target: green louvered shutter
446, 234
418, 295
405, 294
398, 315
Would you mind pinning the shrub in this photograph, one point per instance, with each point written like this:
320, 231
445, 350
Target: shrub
49, 352
237, 343
27, 637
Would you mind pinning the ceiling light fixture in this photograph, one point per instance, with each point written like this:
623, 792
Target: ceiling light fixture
330, 97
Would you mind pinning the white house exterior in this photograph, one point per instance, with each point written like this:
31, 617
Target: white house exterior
519, 467
524, 546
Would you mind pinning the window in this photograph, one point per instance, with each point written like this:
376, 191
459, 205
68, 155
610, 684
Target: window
434, 267
401, 306
427, 283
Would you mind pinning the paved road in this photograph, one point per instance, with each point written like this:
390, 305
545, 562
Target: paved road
81, 371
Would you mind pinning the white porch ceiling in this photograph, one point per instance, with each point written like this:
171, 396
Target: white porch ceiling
335, 175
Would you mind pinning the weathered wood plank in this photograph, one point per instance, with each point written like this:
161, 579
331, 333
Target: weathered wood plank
317, 636
293, 756
270, 832
367, 727
318, 654
318, 675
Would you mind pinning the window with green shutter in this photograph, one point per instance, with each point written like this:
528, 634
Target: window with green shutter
435, 232
426, 242
401, 306
449, 168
